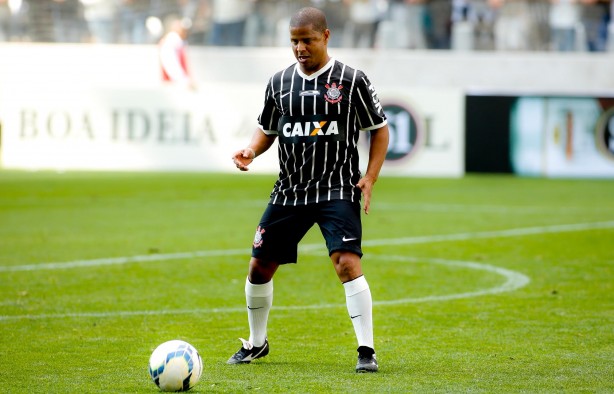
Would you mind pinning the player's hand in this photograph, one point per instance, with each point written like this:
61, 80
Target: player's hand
366, 187
243, 158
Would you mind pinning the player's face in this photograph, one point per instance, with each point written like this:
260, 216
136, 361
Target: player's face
309, 47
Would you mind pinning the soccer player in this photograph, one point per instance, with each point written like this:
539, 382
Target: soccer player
316, 109
172, 54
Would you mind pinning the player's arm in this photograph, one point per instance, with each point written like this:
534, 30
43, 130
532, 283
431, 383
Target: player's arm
377, 154
259, 144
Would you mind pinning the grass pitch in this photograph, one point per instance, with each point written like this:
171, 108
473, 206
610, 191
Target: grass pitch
481, 284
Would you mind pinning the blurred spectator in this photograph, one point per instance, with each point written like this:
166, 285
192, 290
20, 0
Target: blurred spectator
595, 23
69, 23
172, 51
262, 23
132, 17
462, 36
40, 26
404, 27
460, 10
18, 20
410, 24
5, 20
439, 23
190, 8
515, 26
197, 11
164, 9
229, 19
539, 11
336, 12
282, 22
484, 19
364, 18
100, 17
564, 20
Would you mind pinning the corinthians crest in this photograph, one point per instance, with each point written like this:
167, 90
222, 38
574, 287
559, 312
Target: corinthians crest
333, 94
258, 237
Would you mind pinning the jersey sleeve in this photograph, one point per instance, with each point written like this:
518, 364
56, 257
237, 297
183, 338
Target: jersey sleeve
270, 115
369, 111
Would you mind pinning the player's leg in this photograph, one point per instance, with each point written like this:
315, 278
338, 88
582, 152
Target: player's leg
259, 298
275, 243
341, 227
359, 305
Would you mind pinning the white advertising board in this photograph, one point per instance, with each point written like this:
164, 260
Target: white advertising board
563, 137
426, 131
103, 107
159, 129
65, 128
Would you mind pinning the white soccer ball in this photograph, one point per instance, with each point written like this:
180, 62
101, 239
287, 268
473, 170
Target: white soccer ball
175, 366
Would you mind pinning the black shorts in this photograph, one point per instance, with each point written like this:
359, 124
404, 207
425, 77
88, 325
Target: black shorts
282, 228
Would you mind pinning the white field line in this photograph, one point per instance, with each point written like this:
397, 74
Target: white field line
124, 260
496, 209
513, 281
305, 248
561, 228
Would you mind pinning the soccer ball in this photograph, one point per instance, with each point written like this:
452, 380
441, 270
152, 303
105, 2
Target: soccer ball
175, 366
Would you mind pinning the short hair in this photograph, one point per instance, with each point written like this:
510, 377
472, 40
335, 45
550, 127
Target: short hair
309, 16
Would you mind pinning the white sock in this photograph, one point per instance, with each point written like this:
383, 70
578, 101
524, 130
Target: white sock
359, 304
259, 299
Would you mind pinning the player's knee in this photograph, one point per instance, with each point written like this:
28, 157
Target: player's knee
347, 265
261, 271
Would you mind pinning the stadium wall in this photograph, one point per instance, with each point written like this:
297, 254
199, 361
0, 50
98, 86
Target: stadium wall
105, 107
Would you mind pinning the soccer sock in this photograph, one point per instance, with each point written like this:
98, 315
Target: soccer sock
359, 304
259, 300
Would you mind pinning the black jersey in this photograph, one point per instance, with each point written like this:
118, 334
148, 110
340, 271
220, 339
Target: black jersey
317, 119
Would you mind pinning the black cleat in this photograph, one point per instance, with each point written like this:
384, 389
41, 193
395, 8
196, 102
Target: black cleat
248, 352
366, 360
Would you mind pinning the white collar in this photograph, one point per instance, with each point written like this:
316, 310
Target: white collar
317, 73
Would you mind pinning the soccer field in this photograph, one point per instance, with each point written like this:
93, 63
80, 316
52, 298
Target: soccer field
480, 284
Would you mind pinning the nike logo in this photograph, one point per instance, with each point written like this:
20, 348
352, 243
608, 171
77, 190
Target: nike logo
344, 239
251, 357
354, 317
251, 309
284, 95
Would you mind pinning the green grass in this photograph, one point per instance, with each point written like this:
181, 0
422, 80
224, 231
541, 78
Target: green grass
91, 328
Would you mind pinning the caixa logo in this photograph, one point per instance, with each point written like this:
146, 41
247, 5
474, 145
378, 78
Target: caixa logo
406, 134
605, 133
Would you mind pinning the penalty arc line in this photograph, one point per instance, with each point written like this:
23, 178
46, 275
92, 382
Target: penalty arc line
514, 281
305, 248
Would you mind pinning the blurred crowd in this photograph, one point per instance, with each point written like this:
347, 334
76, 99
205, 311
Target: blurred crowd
543, 25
